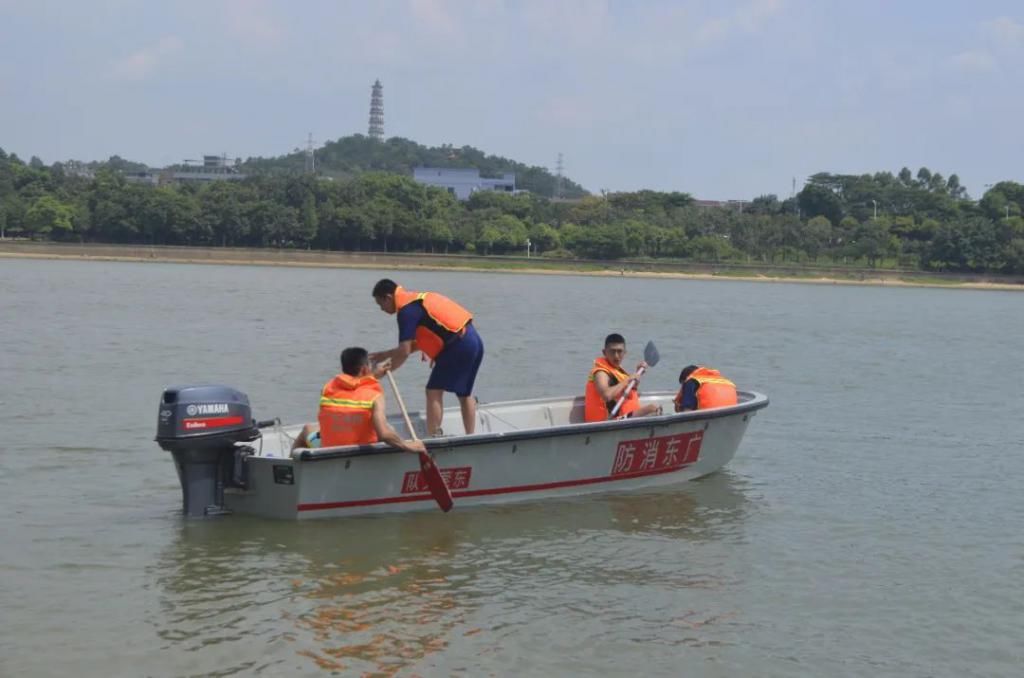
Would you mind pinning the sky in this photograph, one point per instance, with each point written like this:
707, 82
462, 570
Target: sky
722, 100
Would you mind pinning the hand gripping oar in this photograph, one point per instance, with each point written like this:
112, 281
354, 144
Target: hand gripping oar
651, 357
435, 481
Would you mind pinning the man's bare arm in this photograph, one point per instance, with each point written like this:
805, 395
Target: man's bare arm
396, 355
386, 434
606, 390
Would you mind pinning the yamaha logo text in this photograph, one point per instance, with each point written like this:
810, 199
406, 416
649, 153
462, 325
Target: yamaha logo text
215, 408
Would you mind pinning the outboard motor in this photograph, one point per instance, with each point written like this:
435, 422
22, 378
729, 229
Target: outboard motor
199, 426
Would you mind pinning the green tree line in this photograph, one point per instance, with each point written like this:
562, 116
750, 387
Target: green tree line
355, 154
915, 221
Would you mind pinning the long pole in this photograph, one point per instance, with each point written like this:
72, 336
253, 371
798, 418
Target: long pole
435, 481
401, 406
875, 203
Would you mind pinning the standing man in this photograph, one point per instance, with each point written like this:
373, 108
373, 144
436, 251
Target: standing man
443, 330
607, 382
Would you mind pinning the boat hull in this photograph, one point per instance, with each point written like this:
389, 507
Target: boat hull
497, 467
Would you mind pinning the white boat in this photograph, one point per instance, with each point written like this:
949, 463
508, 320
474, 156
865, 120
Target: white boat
523, 450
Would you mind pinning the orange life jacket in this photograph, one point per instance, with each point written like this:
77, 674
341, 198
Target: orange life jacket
346, 411
446, 318
597, 409
713, 390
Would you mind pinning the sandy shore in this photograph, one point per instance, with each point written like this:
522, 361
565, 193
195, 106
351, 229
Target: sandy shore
357, 260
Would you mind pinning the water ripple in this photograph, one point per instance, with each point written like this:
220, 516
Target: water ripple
869, 525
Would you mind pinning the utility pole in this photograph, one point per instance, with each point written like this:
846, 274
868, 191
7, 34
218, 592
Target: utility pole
1005, 207
875, 203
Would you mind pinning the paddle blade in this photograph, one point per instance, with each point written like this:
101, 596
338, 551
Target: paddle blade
435, 481
651, 355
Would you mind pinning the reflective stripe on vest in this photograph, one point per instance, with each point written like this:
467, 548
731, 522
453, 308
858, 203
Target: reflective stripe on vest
346, 411
446, 319
714, 390
596, 408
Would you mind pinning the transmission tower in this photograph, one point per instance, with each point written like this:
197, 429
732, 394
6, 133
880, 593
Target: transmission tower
310, 160
377, 112
559, 169
310, 157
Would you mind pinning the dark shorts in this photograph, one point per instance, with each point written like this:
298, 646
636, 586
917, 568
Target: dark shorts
456, 366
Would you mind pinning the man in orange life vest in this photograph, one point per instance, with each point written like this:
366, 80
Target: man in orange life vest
608, 381
702, 388
443, 330
353, 409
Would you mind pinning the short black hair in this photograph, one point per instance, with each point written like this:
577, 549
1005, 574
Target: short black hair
384, 287
687, 371
613, 338
353, 359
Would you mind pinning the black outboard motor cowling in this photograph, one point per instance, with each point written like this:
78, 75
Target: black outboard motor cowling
199, 426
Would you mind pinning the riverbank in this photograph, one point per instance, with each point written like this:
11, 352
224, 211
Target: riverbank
532, 265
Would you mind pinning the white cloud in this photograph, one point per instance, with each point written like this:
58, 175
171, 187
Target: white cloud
749, 17
1002, 37
752, 15
139, 65
434, 16
576, 23
252, 21
712, 31
565, 111
1006, 31
974, 61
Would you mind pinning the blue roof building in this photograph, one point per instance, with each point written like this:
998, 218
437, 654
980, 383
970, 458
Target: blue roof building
462, 183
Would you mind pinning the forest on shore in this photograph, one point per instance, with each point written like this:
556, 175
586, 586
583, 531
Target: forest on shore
363, 199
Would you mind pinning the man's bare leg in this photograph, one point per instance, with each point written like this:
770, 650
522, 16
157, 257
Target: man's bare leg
468, 405
302, 440
648, 410
435, 410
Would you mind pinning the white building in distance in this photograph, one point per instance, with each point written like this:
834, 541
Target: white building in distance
463, 183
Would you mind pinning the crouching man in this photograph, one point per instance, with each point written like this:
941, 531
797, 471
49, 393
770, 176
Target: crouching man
701, 388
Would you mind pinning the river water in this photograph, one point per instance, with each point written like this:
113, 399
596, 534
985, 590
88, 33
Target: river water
871, 524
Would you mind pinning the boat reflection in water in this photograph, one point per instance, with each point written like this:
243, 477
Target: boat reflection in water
383, 593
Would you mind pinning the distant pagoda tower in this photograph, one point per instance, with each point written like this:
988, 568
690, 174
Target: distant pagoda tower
559, 177
377, 112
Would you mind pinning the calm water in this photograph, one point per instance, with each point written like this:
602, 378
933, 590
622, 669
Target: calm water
871, 524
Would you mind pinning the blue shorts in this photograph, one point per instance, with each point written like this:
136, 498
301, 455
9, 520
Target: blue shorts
456, 366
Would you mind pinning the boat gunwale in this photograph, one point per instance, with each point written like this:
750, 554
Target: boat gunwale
757, 401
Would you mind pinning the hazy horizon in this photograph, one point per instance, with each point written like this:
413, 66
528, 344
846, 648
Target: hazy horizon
719, 100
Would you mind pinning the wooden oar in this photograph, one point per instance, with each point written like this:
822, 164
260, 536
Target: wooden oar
651, 357
435, 481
